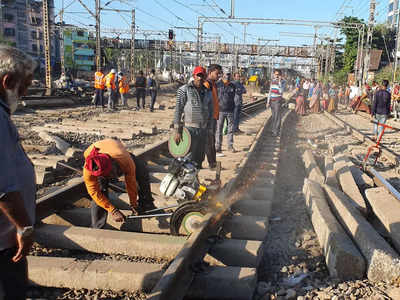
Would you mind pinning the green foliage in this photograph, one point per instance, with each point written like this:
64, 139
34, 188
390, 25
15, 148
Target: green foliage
387, 73
384, 38
350, 47
340, 77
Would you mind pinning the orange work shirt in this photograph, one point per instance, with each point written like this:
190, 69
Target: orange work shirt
215, 99
118, 153
110, 81
123, 85
99, 80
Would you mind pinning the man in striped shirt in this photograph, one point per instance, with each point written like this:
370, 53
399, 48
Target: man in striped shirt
275, 101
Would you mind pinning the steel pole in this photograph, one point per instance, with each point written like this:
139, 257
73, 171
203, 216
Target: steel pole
132, 54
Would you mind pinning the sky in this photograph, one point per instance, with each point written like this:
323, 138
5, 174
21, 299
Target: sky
161, 15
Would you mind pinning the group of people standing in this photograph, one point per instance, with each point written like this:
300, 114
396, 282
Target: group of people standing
314, 96
203, 105
117, 87
376, 100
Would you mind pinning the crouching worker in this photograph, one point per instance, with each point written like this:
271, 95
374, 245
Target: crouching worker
106, 160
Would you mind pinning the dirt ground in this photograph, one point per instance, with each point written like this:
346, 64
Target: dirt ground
293, 265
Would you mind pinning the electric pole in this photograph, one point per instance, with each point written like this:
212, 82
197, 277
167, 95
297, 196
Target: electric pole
62, 37
46, 36
232, 9
98, 44
369, 40
132, 66
397, 46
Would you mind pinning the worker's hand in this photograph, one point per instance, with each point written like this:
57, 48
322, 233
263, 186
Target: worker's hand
24, 245
117, 215
178, 137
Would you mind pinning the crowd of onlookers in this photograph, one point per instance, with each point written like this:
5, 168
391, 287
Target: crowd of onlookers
377, 100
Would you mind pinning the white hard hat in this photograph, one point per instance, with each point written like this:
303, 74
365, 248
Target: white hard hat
113, 71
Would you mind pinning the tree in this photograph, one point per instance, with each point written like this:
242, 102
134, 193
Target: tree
384, 38
350, 47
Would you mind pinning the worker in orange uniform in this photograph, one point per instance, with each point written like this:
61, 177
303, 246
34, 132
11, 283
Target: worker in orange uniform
111, 88
107, 160
123, 85
99, 81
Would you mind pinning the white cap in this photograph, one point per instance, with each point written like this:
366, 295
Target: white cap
113, 71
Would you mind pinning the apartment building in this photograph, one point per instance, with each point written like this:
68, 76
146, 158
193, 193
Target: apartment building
79, 49
22, 25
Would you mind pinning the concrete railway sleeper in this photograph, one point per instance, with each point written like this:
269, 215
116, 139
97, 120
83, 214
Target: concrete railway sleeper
353, 209
108, 259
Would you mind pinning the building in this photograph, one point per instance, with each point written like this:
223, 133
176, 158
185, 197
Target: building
21, 25
392, 13
79, 49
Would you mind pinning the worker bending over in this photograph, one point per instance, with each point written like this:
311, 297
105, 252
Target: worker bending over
107, 160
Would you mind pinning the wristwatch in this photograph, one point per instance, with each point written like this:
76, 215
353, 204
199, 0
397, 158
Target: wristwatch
25, 231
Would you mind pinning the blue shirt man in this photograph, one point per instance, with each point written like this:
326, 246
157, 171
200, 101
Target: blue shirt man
239, 91
17, 178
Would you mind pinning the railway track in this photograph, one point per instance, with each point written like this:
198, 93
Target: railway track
70, 254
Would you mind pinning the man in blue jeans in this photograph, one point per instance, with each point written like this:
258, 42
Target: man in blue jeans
380, 109
240, 90
17, 178
226, 96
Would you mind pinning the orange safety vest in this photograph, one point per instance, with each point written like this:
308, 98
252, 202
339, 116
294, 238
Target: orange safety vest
110, 81
99, 80
123, 85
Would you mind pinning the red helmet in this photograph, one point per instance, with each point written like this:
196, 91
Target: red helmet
98, 164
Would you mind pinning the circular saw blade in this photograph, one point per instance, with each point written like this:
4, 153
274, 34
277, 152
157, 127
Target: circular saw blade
183, 148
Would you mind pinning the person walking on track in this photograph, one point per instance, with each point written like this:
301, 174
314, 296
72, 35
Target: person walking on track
380, 109
152, 85
140, 85
213, 74
226, 96
99, 85
111, 88
239, 91
123, 85
275, 101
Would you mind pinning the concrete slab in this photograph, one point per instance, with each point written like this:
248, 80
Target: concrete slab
82, 217
246, 227
96, 274
235, 253
382, 261
330, 174
386, 208
252, 207
233, 283
312, 169
109, 241
342, 257
348, 184
361, 179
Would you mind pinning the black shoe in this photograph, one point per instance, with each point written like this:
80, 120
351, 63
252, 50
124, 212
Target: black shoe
142, 208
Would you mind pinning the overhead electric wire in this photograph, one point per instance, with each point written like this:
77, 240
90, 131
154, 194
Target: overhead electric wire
178, 17
196, 12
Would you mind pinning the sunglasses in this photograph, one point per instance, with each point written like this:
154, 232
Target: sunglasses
201, 75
